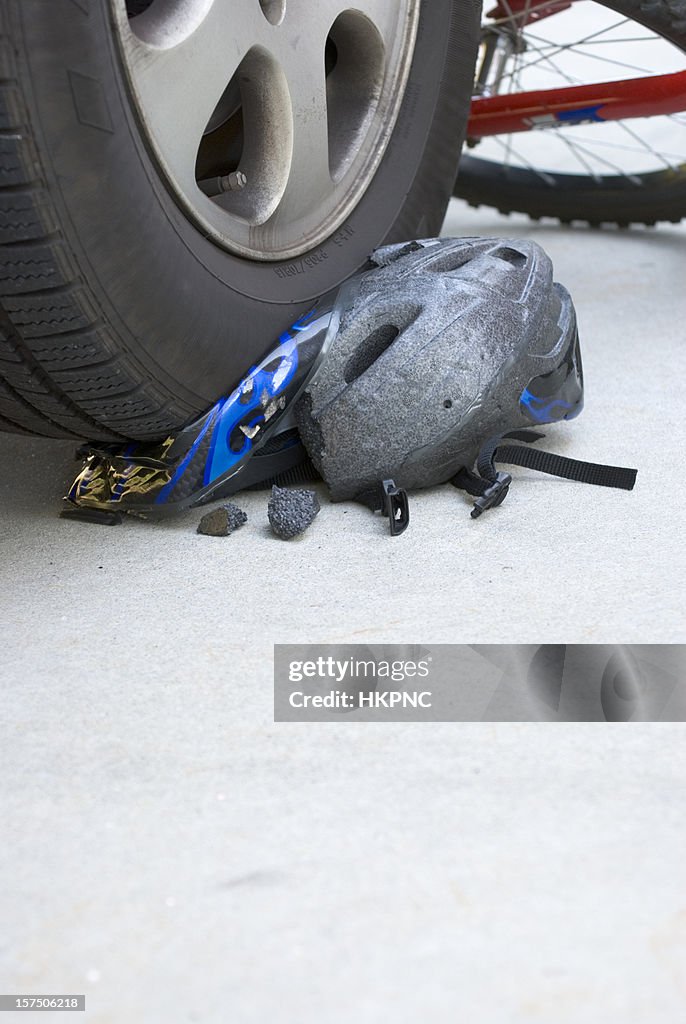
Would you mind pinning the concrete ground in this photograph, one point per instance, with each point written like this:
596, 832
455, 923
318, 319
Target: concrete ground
176, 856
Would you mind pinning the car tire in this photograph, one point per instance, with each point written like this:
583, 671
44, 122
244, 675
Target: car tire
120, 317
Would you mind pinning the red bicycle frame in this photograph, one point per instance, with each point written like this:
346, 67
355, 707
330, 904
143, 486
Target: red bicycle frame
578, 104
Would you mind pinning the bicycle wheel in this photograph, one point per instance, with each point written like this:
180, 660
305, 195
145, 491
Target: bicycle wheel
621, 172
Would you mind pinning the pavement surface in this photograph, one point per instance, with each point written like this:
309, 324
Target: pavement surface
176, 856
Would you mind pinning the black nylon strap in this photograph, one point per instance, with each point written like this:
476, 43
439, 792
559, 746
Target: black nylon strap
470, 482
490, 487
570, 469
372, 498
485, 462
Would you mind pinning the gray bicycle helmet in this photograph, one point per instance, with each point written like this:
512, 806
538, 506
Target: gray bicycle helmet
424, 361
444, 346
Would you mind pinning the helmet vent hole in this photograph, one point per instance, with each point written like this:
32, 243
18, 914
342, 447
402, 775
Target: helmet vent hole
366, 354
448, 404
451, 260
508, 255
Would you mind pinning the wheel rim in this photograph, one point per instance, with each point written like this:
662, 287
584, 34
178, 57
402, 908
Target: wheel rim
268, 118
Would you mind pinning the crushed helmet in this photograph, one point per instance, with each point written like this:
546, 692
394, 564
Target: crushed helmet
443, 345
418, 367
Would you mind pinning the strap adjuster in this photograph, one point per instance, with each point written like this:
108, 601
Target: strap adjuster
494, 494
395, 506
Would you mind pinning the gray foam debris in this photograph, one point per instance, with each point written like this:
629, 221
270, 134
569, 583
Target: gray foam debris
222, 521
290, 512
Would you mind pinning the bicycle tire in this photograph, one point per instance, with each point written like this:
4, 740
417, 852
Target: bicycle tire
613, 199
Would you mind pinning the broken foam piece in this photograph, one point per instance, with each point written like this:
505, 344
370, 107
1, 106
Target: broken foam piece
222, 521
290, 512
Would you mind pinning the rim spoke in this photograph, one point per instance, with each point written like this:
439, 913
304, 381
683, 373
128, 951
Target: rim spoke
508, 151
574, 48
309, 177
617, 42
649, 149
584, 39
609, 60
550, 63
180, 85
511, 151
577, 149
606, 144
519, 55
577, 155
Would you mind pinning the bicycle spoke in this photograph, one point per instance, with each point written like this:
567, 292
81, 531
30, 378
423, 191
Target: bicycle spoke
614, 63
590, 38
617, 42
518, 54
550, 45
550, 63
658, 156
508, 150
624, 148
594, 56
575, 147
547, 178
586, 166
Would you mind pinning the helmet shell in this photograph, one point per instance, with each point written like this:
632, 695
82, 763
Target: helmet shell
443, 344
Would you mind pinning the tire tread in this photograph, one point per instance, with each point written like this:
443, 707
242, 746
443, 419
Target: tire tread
61, 371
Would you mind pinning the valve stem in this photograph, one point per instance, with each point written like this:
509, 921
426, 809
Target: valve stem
232, 182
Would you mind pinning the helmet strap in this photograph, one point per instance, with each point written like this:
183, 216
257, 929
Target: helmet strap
490, 487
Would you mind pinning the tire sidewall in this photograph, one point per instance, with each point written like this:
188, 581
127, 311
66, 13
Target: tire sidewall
194, 316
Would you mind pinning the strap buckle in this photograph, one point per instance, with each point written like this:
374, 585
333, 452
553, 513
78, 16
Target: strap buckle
395, 506
493, 496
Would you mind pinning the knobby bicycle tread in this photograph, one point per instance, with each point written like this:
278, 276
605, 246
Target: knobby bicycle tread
667, 16
572, 198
